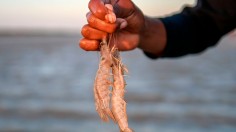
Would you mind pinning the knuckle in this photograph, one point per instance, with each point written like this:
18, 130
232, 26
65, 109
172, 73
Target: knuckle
85, 31
111, 29
92, 21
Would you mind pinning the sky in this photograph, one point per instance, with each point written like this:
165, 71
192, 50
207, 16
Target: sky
69, 14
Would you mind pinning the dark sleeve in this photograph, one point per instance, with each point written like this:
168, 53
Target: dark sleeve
197, 28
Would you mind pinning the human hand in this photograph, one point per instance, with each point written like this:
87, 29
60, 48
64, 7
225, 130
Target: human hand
127, 27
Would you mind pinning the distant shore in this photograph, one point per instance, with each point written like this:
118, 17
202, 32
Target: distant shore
39, 32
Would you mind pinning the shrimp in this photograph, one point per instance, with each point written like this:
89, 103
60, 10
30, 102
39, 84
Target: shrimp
103, 79
118, 92
102, 84
110, 61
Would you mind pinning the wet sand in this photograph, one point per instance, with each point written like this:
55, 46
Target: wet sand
46, 86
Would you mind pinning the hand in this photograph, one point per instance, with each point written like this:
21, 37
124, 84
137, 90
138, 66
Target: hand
127, 35
132, 29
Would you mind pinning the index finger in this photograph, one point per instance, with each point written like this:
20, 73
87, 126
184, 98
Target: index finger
97, 7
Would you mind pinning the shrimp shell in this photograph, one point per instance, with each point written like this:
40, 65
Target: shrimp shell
118, 103
102, 84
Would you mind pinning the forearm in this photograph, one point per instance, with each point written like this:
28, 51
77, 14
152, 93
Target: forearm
191, 31
153, 37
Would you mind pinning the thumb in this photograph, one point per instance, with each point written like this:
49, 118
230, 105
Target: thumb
122, 23
123, 8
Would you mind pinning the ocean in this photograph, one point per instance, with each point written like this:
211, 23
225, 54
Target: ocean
46, 85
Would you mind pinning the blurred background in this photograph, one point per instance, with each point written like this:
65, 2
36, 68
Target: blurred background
46, 80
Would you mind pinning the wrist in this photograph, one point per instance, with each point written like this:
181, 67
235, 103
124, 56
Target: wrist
153, 36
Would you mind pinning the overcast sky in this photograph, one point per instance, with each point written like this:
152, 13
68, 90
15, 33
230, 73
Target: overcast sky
68, 14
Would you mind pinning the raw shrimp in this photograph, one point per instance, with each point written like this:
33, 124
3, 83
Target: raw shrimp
111, 74
102, 84
103, 80
118, 92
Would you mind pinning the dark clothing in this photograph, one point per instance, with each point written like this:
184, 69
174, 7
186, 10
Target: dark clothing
197, 28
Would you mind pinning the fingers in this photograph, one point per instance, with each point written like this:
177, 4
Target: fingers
98, 9
92, 38
110, 16
89, 45
122, 8
101, 21
100, 25
92, 33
